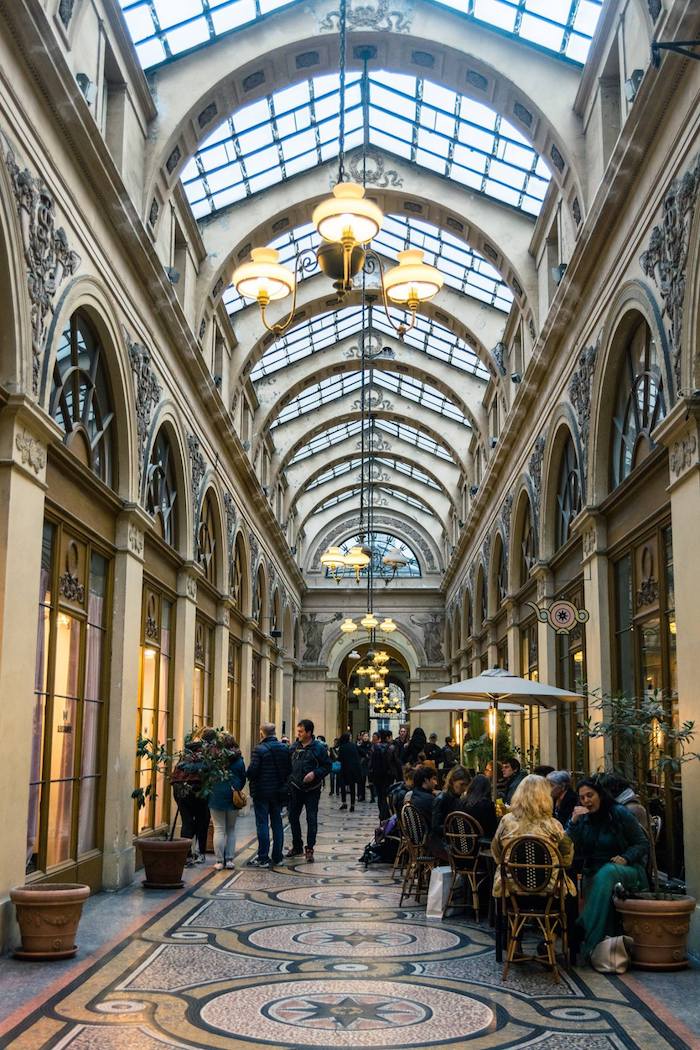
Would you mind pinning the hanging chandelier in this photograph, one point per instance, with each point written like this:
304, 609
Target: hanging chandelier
347, 223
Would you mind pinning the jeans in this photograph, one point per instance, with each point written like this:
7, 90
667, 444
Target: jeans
195, 820
268, 812
224, 834
297, 801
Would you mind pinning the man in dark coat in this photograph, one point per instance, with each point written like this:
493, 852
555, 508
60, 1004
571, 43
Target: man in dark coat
350, 770
311, 763
384, 770
512, 777
564, 797
268, 773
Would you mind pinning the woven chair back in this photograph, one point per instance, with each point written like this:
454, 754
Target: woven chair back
462, 834
414, 827
530, 865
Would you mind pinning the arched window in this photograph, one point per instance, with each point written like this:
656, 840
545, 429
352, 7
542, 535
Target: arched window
236, 574
568, 493
501, 576
161, 489
206, 540
639, 405
258, 594
81, 401
528, 545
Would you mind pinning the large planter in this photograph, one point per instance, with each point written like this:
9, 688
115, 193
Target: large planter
48, 915
164, 862
659, 929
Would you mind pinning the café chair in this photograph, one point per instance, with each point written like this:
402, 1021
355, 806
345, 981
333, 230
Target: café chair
420, 862
462, 836
534, 891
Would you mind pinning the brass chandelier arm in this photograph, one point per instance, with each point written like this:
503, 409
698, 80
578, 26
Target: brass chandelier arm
374, 263
305, 261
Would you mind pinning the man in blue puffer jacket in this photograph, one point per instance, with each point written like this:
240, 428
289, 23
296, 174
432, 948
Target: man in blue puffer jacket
310, 764
268, 773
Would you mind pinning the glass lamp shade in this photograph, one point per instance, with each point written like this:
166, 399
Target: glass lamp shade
369, 622
348, 626
332, 558
263, 277
366, 690
357, 692
357, 558
387, 625
347, 214
412, 280
394, 559
381, 657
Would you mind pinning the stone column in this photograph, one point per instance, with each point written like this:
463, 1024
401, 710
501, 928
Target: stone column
547, 665
246, 743
265, 683
183, 662
681, 433
278, 670
599, 640
119, 854
23, 440
223, 620
287, 715
513, 637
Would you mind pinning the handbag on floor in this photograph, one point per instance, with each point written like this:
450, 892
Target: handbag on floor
612, 955
438, 891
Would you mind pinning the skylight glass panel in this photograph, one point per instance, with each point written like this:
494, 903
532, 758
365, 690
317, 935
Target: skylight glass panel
403, 497
333, 501
336, 471
326, 439
318, 394
463, 268
408, 469
380, 543
328, 329
412, 436
296, 128
421, 393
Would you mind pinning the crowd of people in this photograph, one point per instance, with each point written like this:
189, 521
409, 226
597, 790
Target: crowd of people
598, 829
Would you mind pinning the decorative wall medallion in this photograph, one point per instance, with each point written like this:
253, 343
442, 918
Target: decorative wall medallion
557, 159
665, 260
32, 452
148, 391
135, 537
377, 16
562, 616
191, 587
523, 114
580, 388
377, 174
683, 455
48, 257
231, 516
477, 80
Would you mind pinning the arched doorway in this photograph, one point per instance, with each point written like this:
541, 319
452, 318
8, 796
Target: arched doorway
360, 696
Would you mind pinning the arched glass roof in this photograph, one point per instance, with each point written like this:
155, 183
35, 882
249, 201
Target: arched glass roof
338, 470
402, 431
380, 543
463, 268
381, 499
327, 329
164, 29
296, 128
333, 387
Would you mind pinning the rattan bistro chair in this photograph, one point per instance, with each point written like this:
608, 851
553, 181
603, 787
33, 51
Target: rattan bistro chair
462, 834
420, 863
534, 890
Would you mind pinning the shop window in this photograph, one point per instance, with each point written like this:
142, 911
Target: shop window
233, 688
206, 540
569, 494
81, 401
161, 489
70, 699
203, 685
639, 406
155, 702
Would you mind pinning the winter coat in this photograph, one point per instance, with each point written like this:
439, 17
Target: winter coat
222, 791
349, 758
364, 749
384, 765
445, 803
565, 806
313, 758
618, 834
423, 801
484, 812
508, 788
512, 827
269, 770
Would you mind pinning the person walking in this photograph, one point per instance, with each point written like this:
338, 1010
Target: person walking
221, 805
268, 773
384, 769
311, 764
364, 747
350, 770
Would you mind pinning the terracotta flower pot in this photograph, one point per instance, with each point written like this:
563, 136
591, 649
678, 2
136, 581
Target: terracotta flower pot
48, 915
659, 929
164, 861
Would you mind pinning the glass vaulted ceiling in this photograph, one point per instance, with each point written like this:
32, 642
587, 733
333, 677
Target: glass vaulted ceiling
296, 128
164, 29
382, 492
328, 329
349, 465
387, 427
463, 268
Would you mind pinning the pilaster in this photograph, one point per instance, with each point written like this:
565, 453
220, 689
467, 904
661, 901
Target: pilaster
547, 665
183, 662
246, 742
592, 527
223, 620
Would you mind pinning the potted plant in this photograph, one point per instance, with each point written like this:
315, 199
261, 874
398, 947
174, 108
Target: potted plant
163, 856
48, 915
644, 734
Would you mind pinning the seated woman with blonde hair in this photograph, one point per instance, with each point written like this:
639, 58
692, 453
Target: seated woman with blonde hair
531, 814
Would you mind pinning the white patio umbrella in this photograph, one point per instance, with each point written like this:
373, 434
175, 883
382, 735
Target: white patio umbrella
436, 703
496, 686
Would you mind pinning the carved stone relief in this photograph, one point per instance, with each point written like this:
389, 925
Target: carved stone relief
433, 628
32, 452
665, 260
312, 632
535, 470
376, 15
48, 257
135, 539
374, 170
197, 468
580, 394
683, 455
148, 391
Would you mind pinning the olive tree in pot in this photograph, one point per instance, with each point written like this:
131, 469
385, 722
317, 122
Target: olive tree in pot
643, 733
163, 856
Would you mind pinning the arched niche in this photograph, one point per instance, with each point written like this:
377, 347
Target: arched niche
563, 454
166, 490
210, 551
239, 575
524, 541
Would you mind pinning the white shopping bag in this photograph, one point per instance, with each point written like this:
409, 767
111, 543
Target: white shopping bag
438, 892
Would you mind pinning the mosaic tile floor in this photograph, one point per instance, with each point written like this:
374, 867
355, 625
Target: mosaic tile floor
322, 956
